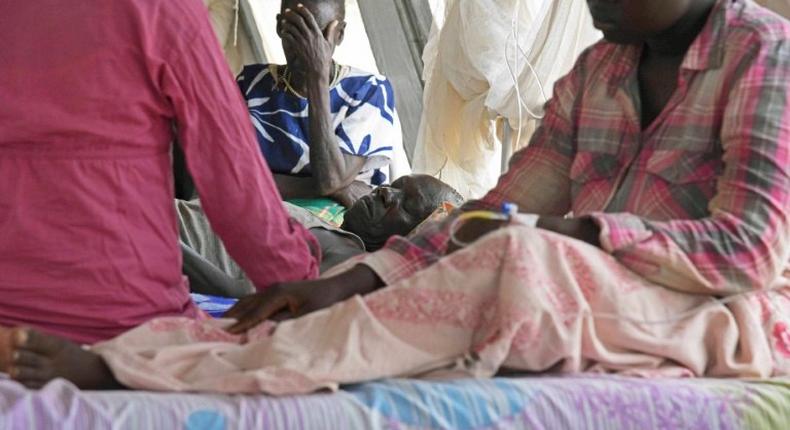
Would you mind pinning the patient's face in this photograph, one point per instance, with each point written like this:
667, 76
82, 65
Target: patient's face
397, 209
634, 21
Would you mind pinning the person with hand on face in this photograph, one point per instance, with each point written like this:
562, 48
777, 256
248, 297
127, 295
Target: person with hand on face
327, 131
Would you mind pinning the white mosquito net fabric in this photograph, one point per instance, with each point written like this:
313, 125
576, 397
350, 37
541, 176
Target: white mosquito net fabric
781, 7
469, 86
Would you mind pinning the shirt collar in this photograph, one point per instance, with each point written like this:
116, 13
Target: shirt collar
706, 52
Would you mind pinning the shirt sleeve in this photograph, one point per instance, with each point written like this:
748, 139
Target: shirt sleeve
745, 243
371, 127
245, 78
537, 181
235, 185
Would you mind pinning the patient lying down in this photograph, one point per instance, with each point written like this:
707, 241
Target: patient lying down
390, 210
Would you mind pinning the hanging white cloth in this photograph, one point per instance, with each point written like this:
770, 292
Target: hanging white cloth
782, 7
232, 36
468, 84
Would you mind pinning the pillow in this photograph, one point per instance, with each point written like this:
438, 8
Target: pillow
438, 215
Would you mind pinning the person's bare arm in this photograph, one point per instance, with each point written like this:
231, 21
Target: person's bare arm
333, 169
335, 248
350, 194
300, 298
295, 187
298, 187
205, 278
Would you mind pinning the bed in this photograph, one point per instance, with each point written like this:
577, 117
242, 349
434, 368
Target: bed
550, 402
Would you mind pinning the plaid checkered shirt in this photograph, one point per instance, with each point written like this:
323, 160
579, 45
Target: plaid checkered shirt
698, 201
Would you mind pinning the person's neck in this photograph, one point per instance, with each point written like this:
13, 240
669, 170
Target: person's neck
676, 41
371, 243
298, 79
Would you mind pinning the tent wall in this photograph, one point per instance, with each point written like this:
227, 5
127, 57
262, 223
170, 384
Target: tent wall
398, 30
251, 28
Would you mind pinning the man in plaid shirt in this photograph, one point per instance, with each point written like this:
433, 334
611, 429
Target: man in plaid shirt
694, 195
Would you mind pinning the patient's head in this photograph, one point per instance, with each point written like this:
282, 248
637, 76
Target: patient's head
397, 209
635, 21
324, 11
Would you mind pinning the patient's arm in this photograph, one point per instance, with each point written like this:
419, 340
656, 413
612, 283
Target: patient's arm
300, 298
335, 248
295, 187
349, 195
300, 187
205, 278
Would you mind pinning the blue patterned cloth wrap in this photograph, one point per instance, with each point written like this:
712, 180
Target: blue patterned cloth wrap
362, 107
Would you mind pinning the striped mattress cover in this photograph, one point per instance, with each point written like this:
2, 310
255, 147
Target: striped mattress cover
568, 402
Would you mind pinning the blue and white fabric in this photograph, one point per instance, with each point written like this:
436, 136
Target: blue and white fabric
363, 113
213, 305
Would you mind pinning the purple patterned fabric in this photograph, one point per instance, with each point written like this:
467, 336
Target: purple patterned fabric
584, 401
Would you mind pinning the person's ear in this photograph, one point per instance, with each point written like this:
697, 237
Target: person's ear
341, 33
335, 32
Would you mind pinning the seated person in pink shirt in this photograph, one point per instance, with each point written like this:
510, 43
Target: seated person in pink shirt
92, 92
653, 238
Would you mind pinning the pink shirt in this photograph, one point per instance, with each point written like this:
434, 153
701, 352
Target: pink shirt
89, 93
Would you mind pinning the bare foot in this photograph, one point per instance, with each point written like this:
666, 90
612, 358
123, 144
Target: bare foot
33, 359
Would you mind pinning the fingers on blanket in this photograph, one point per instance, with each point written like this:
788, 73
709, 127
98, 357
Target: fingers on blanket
258, 309
13, 341
21, 356
6, 348
241, 307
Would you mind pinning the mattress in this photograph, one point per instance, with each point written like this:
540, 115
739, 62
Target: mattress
569, 402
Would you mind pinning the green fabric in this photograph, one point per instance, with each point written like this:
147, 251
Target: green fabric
769, 405
326, 209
